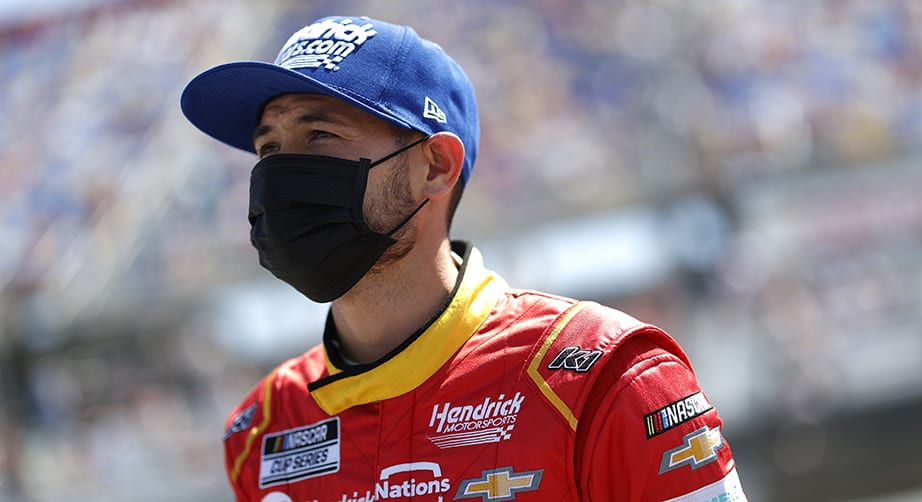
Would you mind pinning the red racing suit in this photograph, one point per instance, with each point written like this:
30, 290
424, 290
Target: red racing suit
505, 395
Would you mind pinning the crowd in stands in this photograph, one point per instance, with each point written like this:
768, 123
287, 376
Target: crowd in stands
586, 107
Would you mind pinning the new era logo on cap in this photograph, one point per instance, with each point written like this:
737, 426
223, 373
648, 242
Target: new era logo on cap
432, 111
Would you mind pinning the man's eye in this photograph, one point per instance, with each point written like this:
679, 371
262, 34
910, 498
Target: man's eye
267, 149
315, 135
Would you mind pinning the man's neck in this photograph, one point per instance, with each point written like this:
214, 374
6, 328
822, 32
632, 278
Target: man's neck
388, 306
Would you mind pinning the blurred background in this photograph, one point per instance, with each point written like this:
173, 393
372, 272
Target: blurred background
744, 173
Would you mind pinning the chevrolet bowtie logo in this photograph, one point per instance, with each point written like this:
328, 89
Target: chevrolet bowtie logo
499, 484
698, 448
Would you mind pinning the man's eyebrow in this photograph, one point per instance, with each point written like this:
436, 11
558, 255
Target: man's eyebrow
307, 118
261, 131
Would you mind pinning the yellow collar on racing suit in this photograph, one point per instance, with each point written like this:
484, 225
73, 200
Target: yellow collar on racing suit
424, 353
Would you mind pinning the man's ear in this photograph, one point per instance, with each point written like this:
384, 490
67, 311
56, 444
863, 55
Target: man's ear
445, 153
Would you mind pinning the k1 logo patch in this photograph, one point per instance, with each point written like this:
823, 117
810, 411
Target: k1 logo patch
575, 359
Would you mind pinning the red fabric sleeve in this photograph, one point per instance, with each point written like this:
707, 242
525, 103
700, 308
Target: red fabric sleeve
647, 434
229, 459
241, 446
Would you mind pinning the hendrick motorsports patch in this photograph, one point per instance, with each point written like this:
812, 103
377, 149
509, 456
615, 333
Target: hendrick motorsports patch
300, 453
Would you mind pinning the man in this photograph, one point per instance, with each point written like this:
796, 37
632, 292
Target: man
435, 380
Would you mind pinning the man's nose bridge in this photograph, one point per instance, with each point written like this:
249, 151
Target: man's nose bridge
288, 143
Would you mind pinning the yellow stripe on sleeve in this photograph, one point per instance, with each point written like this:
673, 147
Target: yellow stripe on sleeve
257, 430
542, 384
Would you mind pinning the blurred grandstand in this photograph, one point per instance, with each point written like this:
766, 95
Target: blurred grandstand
746, 174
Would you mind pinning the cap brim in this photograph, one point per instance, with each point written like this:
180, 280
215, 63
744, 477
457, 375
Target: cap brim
226, 101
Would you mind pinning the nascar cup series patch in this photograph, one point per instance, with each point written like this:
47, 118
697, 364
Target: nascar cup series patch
300, 453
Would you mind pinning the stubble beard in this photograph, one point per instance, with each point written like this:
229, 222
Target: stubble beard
396, 204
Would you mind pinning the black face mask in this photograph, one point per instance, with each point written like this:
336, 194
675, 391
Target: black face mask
307, 223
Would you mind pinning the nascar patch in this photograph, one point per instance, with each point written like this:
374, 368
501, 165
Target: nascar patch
301, 453
676, 413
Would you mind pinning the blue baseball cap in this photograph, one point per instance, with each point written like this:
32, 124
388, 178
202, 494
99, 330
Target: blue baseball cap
383, 69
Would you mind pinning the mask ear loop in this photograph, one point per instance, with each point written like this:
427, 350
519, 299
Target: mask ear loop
390, 156
394, 154
408, 218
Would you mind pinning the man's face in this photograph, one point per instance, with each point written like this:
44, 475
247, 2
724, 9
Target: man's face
315, 124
